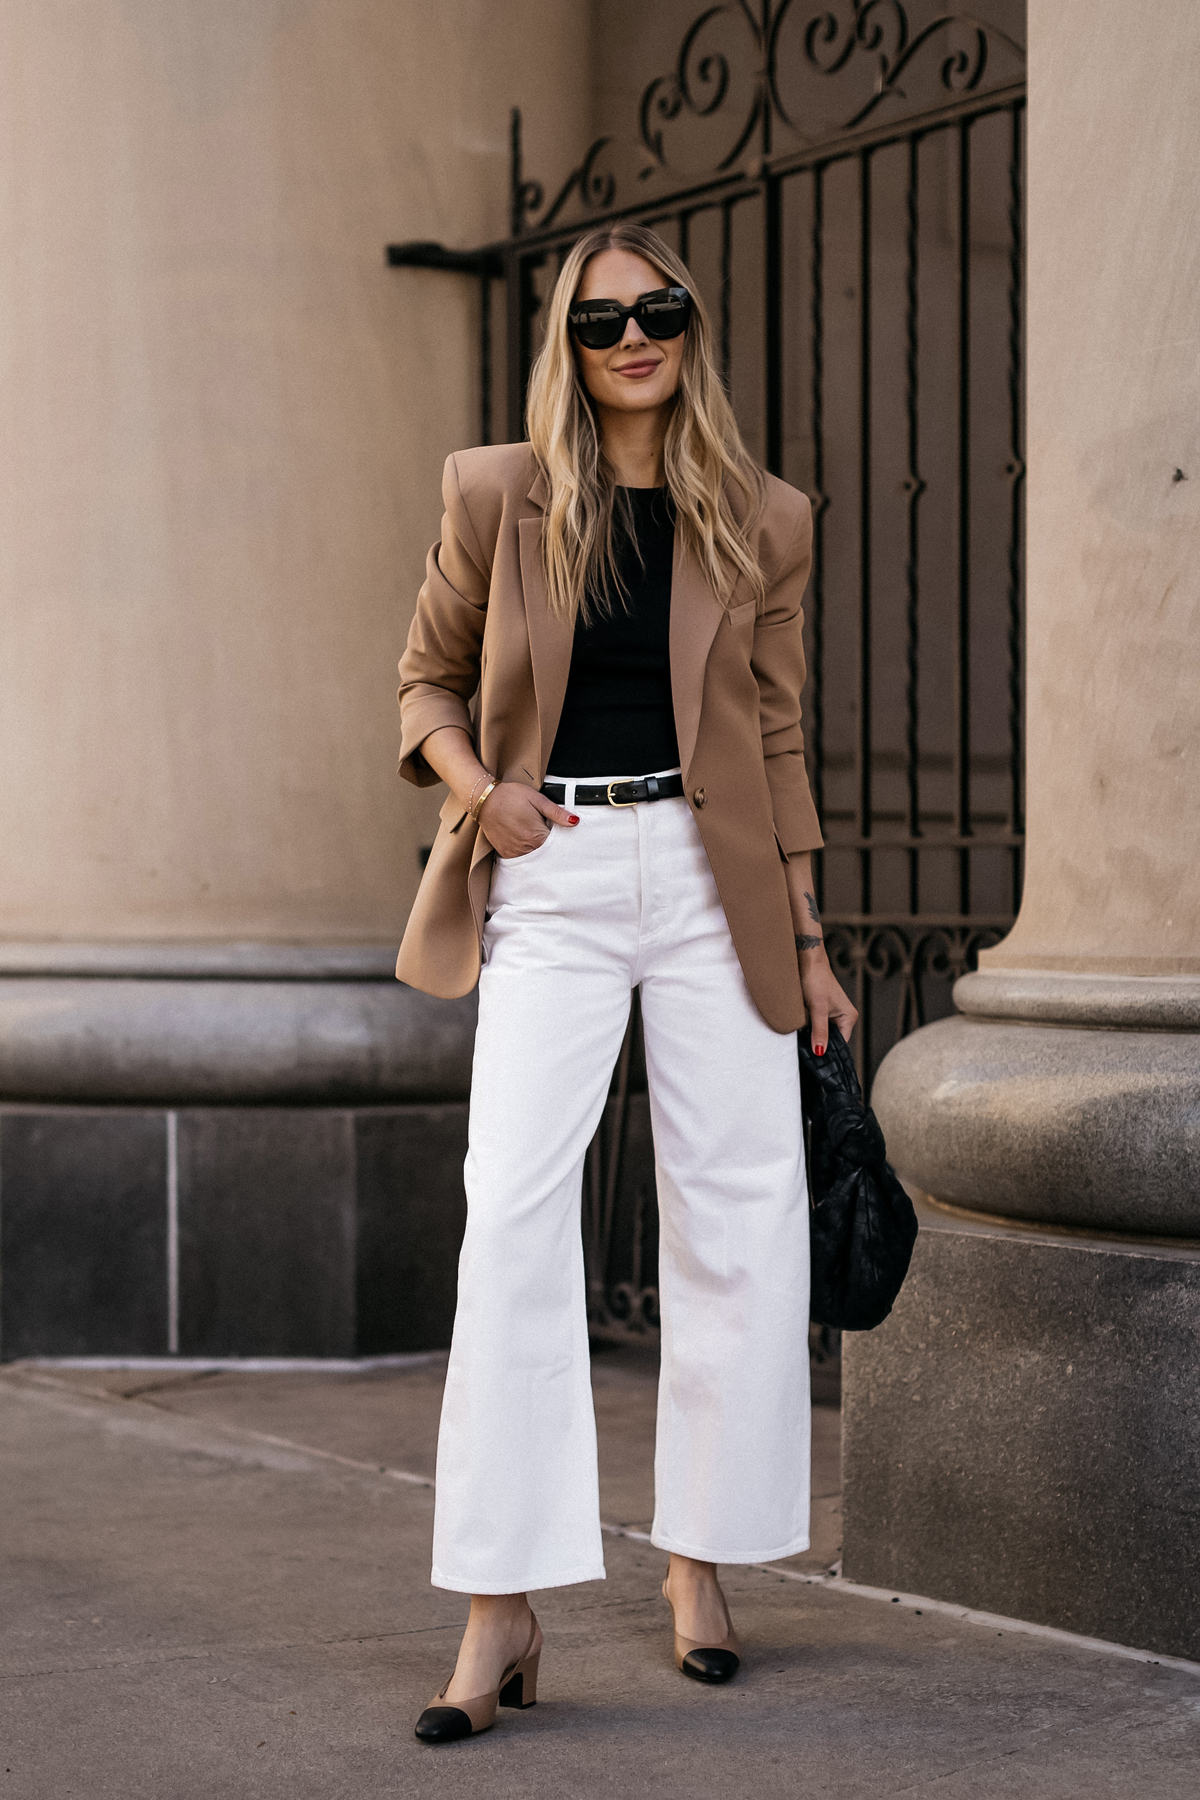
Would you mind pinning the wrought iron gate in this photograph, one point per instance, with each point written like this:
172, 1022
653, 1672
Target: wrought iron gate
858, 235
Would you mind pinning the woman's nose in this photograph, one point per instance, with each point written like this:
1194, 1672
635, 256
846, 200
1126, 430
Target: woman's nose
634, 335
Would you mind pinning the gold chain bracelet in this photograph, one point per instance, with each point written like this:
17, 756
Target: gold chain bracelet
473, 805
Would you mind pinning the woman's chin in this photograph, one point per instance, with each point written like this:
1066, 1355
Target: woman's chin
633, 396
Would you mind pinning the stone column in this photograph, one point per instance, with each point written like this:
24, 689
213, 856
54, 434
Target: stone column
222, 427
1019, 1434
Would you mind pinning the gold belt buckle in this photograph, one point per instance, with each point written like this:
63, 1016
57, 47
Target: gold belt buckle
611, 801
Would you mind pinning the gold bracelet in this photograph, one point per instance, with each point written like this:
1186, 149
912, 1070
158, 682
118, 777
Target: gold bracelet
474, 805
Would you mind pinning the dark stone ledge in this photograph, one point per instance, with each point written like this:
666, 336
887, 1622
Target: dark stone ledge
83, 1233
274, 1231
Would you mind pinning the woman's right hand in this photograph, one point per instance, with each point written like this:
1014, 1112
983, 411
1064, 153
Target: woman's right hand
517, 819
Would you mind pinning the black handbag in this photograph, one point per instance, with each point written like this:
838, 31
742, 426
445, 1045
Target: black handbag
862, 1226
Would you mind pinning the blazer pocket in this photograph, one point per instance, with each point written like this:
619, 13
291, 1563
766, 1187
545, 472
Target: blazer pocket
453, 812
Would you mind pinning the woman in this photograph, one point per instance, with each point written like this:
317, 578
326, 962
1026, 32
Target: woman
605, 669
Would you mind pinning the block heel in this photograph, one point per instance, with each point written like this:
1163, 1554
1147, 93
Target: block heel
521, 1687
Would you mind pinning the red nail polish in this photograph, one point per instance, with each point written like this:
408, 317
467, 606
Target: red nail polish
818, 1049
574, 817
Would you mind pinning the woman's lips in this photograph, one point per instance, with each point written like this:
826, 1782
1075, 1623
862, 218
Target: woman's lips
636, 370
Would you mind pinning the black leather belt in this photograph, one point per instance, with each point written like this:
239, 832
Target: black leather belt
618, 793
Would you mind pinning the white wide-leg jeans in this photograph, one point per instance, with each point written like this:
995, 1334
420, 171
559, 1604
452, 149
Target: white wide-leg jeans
624, 897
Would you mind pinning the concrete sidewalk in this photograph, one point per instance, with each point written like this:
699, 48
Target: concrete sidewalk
218, 1585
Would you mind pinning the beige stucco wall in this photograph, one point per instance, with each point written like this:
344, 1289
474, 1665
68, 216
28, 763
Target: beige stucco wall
222, 425
1113, 536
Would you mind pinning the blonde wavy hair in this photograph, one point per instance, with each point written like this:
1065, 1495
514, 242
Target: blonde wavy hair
716, 487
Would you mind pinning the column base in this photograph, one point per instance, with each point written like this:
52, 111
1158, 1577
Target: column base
1071, 1125
1022, 1434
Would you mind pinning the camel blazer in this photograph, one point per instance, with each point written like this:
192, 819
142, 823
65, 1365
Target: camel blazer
486, 653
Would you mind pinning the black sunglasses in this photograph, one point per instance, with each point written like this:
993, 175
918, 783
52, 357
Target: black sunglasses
599, 324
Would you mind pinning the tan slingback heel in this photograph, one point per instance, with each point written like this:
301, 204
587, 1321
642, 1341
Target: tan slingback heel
707, 1662
444, 1721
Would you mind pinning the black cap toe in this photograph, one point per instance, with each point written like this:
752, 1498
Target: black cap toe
442, 1724
711, 1665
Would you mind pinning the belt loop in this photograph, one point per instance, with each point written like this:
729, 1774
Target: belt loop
652, 787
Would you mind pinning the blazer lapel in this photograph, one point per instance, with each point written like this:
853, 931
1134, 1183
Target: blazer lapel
550, 638
695, 614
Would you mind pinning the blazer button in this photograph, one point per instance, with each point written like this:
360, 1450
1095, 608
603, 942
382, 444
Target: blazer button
699, 797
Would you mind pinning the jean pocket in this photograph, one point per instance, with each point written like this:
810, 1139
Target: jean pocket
526, 856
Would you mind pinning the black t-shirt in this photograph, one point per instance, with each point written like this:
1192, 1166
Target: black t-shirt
617, 717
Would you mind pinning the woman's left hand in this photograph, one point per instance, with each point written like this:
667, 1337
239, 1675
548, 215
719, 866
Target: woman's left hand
823, 999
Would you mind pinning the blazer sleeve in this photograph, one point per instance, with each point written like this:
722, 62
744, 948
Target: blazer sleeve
439, 671
778, 663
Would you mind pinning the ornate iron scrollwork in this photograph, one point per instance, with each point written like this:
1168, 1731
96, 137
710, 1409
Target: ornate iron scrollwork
878, 30
699, 84
709, 76
862, 955
595, 185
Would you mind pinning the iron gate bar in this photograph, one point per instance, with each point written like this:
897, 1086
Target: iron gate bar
1015, 471
773, 346
915, 487
863, 747
926, 921
422, 255
726, 291
1006, 840
520, 302
820, 505
962, 682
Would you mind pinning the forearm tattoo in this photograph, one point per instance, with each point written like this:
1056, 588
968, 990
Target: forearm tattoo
804, 942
